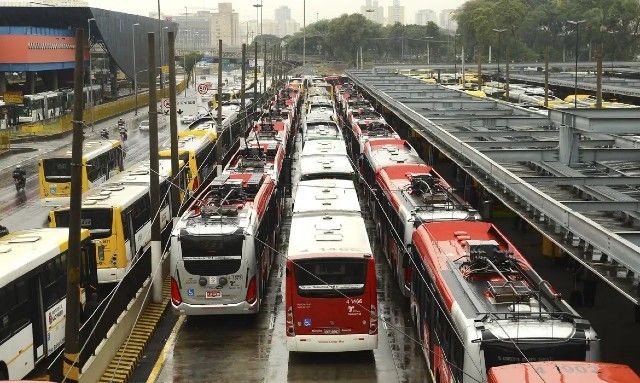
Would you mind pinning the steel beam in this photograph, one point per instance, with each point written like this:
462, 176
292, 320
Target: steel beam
590, 206
615, 154
584, 181
607, 121
505, 133
520, 155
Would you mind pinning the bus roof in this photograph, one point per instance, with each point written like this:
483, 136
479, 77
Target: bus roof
326, 195
390, 151
23, 251
563, 372
328, 235
324, 147
125, 187
325, 164
456, 253
90, 149
191, 142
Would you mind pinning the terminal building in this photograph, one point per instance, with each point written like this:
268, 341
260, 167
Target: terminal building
37, 59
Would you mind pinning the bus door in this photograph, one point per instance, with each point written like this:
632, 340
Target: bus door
36, 314
129, 235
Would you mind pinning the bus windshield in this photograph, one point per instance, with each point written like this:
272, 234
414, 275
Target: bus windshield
499, 353
328, 278
57, 169
211, 255
98, 221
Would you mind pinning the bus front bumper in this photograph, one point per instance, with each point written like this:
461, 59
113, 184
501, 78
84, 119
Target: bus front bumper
332, 343
217, 309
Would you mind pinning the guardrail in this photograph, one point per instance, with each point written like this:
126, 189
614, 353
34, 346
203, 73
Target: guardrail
623, 251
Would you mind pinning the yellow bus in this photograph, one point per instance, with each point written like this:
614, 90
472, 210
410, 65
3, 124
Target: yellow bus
101, 160
118, 216
196, 147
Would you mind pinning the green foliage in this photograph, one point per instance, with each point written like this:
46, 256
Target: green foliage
533, 24
339, 39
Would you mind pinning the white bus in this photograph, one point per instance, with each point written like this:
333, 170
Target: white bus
118, 215
33, 283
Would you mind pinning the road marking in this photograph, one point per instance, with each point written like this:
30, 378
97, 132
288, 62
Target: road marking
157, 367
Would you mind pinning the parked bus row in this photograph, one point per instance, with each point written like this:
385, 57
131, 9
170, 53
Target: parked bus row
224, 246
330, 281
479, 309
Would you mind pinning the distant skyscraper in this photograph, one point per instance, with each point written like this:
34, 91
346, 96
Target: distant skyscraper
424, 16
396, 13
372, 11
446, 20
225, 26
284, 24
194, 33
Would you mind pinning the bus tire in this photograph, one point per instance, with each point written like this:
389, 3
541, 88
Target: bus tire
4, 372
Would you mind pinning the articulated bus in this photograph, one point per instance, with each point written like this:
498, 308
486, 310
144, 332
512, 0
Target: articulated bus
101, 160
222, 248
118, 216
477, 304
197, 149
330, 281
33, 285
563, 372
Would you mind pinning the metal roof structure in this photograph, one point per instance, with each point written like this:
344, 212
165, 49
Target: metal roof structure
114, 29
574, 177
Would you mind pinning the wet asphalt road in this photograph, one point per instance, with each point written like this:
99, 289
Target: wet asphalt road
253, 348
24, 211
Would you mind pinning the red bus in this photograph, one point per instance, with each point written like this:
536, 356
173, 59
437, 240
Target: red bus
563, 372
411, 194
330, 283
477, 304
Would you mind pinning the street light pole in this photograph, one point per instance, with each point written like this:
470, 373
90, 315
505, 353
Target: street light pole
455, 56
499, 32
161, 46
575, 88
429, 49
304, 32
135, 71
258, 26
91, 99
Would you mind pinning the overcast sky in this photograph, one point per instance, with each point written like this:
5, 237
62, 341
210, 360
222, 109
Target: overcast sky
323, 8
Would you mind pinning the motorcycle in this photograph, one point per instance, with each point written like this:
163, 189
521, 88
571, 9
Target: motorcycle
104, 134
123, 134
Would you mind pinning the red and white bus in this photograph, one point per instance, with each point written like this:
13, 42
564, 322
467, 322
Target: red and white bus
222, 247
409, 195
266, 157
384, 152
330, 284
478, 304
563, 372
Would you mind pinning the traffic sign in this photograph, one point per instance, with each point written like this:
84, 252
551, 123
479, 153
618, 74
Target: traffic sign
203, 88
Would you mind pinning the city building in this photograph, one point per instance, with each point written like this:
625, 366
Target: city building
395, 13
372, 11
195, 31
424, 16
285, 25
226, 26
446, 20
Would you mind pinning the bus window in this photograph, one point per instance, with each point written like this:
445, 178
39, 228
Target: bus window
226, 254
57, 169
140, 212
20, 310
98, 221
5, 324
324, 278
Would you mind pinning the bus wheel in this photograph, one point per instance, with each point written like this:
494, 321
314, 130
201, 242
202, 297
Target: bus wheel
4, 373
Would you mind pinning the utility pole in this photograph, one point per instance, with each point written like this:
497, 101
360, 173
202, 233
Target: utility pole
506, 89
161, 45
599, 55
546, 76
173, 125
154, 165
479, 58
304, 32
462, 63
244, 74
273, 64
255, 75
71, 369
219, 101
264, 69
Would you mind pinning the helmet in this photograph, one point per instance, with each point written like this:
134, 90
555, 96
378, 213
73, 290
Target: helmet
17, 166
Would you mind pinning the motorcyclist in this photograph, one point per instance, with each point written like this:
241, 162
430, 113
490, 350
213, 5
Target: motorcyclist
19, 177
120, 123
104, 134
123, 132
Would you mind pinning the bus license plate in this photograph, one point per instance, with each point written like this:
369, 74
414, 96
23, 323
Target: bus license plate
332, 331
213, 294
